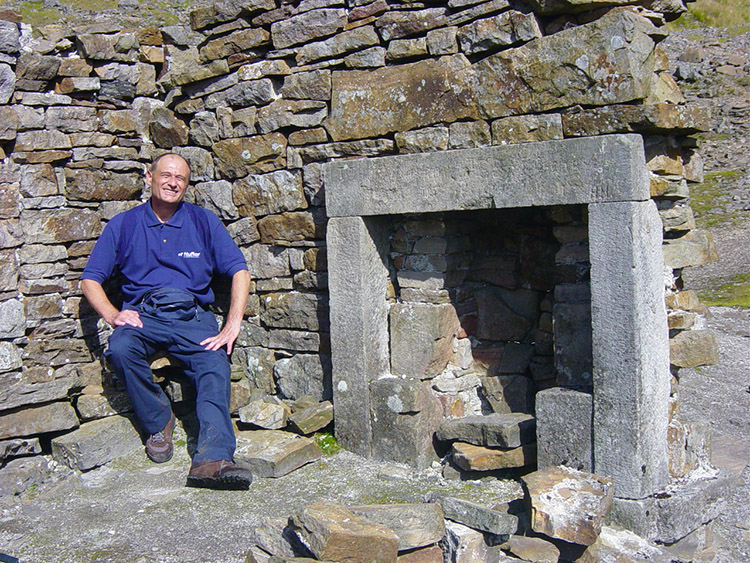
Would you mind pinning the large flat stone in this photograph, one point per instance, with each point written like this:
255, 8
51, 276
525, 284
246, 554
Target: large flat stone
38, 420
508, 430
416, 525
334, 533
630, 347
477, 509
608, 168
272, 453
96, 443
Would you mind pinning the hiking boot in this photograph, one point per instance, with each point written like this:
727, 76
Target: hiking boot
159, 447
219, 475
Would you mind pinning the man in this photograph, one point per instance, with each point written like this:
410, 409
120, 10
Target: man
168, 251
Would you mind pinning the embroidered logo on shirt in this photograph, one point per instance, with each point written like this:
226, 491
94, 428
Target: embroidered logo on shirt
189, 254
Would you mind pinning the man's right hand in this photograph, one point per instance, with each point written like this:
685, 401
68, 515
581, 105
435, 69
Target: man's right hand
126, 317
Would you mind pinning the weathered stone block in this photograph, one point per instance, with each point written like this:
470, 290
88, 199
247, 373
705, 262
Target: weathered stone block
272, 453
478, 458
415, 525
509, 430
19, 474
563, 428
289, 227
527, 128
313, 418
477, 508
421, 338
101, 185
268, 414
304, 374
296, 310
692, 249
37, 420
532, 549
505, 314
503, 30
395, 24
405, 416
509, 393
332, 532
235, 158
96, 403
693, 348
313, 85
19, 447
96, 443
307, 26
568, 504
345, 42
227, 45
572, 344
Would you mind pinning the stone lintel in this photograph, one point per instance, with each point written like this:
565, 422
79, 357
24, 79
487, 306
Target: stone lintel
630, 347
357, 280
571, 171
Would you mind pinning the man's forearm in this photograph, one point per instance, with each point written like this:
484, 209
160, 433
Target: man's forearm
238, 302
97, 298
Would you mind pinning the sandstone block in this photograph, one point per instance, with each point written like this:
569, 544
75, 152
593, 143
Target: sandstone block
313, 418
618, 544
431, 554
532, 549
478, 509
526, 128
96, 443
307, 26
692, 249
478, 458
235, 158
422, 140
647, 118
421, 338
196, 73
101, 185
37, 420
313, 85
509, 430
236, 42
503, 30
405, 416
166, 130
42, 141
100, 405
291, 113
568, 504
415, 525
332, 532
267, 414
396, 25
509, 393
342, 43
272, 453
693, 348
33, 66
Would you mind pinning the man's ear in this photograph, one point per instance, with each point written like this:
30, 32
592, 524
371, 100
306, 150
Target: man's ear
148, 177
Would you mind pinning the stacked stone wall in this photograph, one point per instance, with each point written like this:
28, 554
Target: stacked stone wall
257, 95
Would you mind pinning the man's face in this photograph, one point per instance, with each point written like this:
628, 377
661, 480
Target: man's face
169, 180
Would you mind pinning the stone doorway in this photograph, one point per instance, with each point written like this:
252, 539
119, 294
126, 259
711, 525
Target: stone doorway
629, 351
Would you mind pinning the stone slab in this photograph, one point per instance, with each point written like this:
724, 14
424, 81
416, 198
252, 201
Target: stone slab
678, 510
272, 453
630, 347
97, 442
478, 512
563, 428
416, 525
357, 281
609, 168
508, 430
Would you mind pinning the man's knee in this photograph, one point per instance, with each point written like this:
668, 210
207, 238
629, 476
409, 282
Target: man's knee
124, 346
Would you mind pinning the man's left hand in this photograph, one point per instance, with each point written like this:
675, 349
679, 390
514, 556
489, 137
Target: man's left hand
226, 337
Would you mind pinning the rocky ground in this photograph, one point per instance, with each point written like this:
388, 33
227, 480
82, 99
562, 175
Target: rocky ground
131, 510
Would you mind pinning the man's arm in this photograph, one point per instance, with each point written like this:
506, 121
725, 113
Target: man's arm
94, 293
231, 329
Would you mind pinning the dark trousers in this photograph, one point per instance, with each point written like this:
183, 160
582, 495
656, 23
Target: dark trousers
178, 333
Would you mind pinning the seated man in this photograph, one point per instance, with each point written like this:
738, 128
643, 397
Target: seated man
168, 251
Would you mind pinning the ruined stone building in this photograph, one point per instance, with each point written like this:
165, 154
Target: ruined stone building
464, 212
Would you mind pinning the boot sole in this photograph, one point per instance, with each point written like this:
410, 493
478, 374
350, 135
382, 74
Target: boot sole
226, 483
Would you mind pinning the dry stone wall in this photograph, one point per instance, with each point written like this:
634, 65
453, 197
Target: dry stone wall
256, 95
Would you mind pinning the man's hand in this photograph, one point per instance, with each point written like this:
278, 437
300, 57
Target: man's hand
231, 329
126, 317
226, 337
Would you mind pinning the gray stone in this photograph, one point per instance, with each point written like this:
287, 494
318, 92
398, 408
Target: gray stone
508, 430
442, 41
276, 192
342, 43
609, 168
671, 516
244, 231
19, 474
12, 319
204, 128
38, 180
96, 443
297, 340
563, 428
93, 405
295, 310
503, 30
37, 420
166, 130
422, 140
235, 158
101, 185
469, 134
692, 249
358, 280
216, 196
9, 37
7, 83
527, 128
307, 26
415, 525
616, 544
272, 453
291, 113
568, 504
304, 374
477, 508
10, 357
405, 416
421, 337
265, 262
313, 85
19, 447
399, 49
334, 533
42, 140
630, 347
9, 122
572, 343
509, 393
463, 544
245, 94
369, 58
33, 66
396, 24
201, 165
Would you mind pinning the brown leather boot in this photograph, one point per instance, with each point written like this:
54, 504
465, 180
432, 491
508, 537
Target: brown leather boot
219, 475
159, 446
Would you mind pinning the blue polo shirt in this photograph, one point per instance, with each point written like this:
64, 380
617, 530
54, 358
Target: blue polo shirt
183, 253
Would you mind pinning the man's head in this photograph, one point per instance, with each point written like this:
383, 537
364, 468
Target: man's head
168, 177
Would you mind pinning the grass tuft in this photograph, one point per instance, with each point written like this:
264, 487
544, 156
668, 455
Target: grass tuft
734, 293
714, 13
327, 443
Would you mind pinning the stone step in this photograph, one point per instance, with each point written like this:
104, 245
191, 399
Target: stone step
508, 430
274, 453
